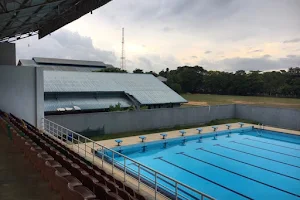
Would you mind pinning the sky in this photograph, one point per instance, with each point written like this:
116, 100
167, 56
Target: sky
227, 35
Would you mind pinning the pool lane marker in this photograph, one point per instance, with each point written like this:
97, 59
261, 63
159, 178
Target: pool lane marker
265, 149
160, 158
218, 145
241, 175
202, 149
272, 144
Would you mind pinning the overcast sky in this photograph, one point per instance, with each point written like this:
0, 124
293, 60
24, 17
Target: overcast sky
216, 34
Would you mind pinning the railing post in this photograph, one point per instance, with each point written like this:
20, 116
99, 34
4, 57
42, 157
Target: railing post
102, 156
72, 140
112, 166
139, 177
78, 139
176, 190
124, 169
85, 147
155, 174
94, 151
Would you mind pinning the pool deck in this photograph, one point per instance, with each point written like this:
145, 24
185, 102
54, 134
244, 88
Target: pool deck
192, 131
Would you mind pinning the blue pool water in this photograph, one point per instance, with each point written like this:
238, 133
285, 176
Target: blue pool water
249, 164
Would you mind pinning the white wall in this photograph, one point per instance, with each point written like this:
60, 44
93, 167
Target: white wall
116, 122
278, 117
22, 92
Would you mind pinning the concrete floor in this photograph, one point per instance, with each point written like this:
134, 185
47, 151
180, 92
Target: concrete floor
18, 179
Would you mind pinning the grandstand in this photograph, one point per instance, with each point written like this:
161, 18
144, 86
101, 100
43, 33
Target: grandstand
67, 173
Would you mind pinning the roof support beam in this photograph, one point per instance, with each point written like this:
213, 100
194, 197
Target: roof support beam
3, 7
15, 15
29, 18
48, 2
78, 10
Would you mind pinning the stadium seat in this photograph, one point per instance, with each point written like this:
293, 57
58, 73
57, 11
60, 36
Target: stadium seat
100, 178
122, 193
50, 168
119, 183
80, 192
89, 181
113, 196
139, 196
101, 190
130, 190
41, 159
111, 185
61, 183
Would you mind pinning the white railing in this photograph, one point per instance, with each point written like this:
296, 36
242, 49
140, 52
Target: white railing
104, 157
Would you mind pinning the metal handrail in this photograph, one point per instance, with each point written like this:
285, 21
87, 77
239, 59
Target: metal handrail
156, 173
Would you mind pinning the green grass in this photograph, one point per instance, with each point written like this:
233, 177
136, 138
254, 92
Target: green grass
128, 134
255, 100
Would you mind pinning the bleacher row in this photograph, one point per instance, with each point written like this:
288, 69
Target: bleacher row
67, 173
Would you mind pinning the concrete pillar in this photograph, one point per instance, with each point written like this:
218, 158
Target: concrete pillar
7, 54
39, 93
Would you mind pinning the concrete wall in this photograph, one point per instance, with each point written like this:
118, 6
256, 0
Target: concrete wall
7, 53
115, 122
22, 92
278, 117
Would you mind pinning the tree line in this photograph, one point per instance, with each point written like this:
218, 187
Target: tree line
195, 79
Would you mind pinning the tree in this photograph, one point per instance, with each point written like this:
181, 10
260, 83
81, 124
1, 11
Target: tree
112, 70
189, 78
138, 71
152, 72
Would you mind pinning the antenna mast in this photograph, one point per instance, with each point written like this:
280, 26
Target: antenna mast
123, 52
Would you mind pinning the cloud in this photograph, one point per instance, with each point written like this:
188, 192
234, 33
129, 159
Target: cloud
160, 33
292, 41
292, 56
267, 56
167, 29
256, 51
153, 62
63, 44
247, 64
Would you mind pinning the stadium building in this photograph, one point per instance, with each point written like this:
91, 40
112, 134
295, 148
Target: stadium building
74, 86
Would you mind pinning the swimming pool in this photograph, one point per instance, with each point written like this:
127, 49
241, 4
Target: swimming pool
244, 163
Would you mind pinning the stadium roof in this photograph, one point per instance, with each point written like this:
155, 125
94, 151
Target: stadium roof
145, 88
23, 18
64, 64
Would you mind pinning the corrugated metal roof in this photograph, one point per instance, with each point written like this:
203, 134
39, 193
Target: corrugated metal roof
144, 87
84, 103
56, 66
59, 61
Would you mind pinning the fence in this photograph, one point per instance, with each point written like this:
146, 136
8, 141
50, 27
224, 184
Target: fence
99, 154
